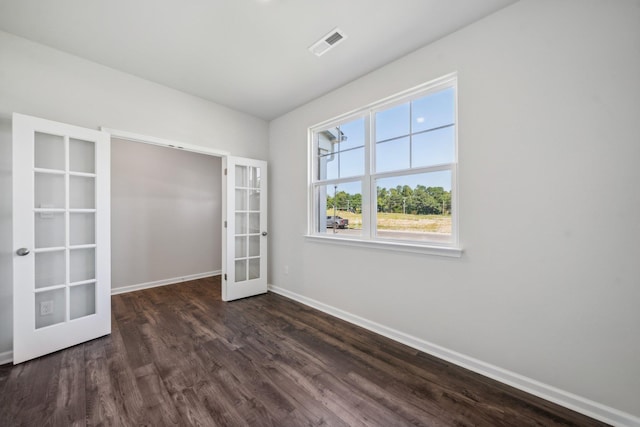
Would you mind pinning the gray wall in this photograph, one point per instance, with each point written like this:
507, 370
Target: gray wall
165, 213
549, 282
43, 82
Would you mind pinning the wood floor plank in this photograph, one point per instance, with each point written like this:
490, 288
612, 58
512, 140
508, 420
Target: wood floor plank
70, 406
179, 356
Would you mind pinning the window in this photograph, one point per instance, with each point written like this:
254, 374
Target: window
387, 172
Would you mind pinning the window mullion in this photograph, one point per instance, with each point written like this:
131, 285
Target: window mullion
367, 218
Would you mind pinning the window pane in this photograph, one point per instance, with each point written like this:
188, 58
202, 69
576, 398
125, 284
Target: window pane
340, 209
341, 150
392, 123
393, 155
435, 110
351, 135
433, 148
415, 207
351, 163
328, 166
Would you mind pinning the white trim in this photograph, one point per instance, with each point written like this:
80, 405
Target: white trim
569, 400
6, 357
163, 282
403, 246
177, 145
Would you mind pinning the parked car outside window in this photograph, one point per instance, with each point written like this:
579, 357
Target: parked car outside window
337, 222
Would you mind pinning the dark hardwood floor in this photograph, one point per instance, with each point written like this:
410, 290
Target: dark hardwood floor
180, 356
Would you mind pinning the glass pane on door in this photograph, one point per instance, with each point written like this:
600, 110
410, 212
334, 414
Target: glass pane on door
48, 151
247, 223
82, 228
82, 192
49, 229
49, 191
50, 269
254, 200
82, 156
254, 246
241, 176
254, 223
241, 199
254, 177
241, 270
254, 268
82, 265
82, 300
50, 307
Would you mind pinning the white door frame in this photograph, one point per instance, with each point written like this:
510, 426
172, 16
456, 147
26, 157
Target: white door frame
224, 155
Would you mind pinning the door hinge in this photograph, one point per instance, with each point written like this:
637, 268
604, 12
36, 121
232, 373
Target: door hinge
225, 224
225, 171
225, 276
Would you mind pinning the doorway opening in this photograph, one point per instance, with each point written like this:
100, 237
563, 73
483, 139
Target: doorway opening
166, 217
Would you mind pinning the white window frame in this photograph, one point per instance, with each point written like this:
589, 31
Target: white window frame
368, 238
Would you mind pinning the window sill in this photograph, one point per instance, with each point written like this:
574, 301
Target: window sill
389, 246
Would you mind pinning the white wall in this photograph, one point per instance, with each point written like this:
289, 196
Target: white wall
165, 214
47, 83
549, 144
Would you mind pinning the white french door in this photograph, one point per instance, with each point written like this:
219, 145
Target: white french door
61, 236
244, 255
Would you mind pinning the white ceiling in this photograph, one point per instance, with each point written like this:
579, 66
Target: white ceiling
250, 55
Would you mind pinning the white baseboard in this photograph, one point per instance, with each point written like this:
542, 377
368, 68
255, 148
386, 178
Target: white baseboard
6, 357
569, 400
163, 282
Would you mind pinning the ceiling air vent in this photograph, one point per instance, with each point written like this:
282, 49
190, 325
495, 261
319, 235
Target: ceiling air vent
329, 41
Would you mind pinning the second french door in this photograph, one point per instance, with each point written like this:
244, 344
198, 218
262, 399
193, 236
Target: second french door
244, 254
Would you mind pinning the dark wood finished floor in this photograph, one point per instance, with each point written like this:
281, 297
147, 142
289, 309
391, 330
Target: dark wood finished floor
179, 356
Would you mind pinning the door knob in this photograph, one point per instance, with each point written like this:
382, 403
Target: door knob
22, 251
264, 233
